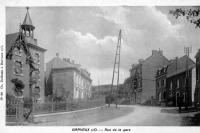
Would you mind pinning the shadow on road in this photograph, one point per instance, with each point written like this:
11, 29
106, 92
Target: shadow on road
176, 111
190, 116
191, 120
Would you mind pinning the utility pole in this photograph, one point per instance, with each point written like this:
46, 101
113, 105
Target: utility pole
116, 63
113, 95
187, 51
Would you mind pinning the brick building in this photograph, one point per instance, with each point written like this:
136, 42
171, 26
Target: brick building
67, 80
25, 63
143, 74
197, 88
171, 82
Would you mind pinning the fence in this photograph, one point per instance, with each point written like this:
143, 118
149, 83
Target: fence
14, 111
40, 108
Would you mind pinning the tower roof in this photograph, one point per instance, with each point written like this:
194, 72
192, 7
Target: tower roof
27, 20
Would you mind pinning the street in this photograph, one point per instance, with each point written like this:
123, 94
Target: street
144, 116
124, 115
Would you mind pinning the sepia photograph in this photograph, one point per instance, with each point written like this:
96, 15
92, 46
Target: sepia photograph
102, 66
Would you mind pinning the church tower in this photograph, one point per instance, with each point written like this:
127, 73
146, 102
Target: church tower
17, 67
27, 26
27, 29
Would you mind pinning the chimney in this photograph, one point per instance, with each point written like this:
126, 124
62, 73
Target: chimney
157, 52
160, 52
133, 65
65, 59
78, 65
171, 60
154, 52
57, 54
68, 60
140, 61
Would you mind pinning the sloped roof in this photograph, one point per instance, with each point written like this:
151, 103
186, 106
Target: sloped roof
27, 19
156, 54
179, 66
58, 63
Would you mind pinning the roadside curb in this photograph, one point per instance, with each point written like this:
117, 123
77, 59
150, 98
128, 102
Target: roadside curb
51, 117
68, 112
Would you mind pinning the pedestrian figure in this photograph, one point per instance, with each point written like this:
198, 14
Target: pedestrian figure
116, 101
180, 102
107, 99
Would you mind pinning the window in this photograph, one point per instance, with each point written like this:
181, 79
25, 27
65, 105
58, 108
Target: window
171, 85
162, 82
37, 58
184, 97
158, 83
177, 83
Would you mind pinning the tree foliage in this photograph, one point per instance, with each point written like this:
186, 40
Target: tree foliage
192, 15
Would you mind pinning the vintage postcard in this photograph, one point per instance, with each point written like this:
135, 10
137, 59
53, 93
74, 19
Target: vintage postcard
100, 66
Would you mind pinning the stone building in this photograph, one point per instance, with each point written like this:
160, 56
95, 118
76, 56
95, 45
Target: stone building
128, 90
197, 88
161, 77
171, 83
144, 73
24, 63
67, 80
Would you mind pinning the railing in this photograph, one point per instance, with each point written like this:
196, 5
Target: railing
41, 108
16, 111
13, 111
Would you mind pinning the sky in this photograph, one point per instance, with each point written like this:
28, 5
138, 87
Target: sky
89, 35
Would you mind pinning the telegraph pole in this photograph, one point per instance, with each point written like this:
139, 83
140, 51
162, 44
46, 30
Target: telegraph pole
114, 96
187, 51
116, 63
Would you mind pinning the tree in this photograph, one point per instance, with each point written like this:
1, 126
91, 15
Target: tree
192, 15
